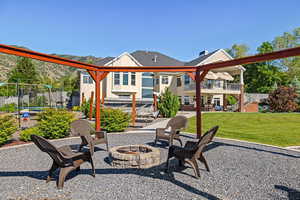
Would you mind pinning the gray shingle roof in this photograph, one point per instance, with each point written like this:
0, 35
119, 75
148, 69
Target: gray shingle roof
199, 59
152, 58
104, 61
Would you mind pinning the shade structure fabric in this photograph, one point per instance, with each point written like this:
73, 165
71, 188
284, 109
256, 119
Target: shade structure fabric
224, 76
211, 75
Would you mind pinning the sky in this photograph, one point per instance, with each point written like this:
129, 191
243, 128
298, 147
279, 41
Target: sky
178, 28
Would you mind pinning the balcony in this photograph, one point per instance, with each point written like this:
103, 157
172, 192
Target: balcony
215, 88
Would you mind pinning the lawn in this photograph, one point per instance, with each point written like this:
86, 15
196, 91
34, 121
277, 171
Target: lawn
279, 129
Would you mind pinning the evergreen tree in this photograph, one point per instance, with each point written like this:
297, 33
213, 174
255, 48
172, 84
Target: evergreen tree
24, 72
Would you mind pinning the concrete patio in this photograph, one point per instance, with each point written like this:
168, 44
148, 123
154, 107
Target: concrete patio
239, 170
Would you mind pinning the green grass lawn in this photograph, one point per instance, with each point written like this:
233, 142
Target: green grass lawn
280, 129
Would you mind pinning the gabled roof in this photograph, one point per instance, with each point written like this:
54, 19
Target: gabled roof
152, 58
200, 59
104, 61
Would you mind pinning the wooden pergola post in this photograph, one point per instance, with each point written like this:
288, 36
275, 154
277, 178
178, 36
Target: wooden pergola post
98, 103
154, 102
91, 105
133, 109
199, 78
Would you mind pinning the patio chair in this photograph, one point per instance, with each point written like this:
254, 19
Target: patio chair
192, 151
176, 123
63, 158
84, 129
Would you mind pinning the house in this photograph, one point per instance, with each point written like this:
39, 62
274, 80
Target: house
118, 87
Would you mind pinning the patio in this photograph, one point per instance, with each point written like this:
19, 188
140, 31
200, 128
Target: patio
239, 170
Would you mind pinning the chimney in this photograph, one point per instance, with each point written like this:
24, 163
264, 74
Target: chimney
203, 53
155, 58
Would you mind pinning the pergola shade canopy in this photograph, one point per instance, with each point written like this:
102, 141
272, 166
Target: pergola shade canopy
98, 73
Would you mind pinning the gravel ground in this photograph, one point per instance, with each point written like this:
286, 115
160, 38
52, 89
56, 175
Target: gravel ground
238, 171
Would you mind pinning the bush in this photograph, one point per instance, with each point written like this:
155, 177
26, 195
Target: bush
9, 108
25, 135
283, 99
114, 120
168, 104
231, 100
55, 123
76, 108
85, 108
8, 126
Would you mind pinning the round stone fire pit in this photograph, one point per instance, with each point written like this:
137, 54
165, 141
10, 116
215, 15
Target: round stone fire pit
134, 156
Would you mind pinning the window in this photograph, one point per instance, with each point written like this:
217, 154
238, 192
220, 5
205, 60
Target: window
210, 83
147, 93
157, 81
125, 78
217, 102
86, 79
133, 78
186, 79
218, 83
165, 80
147, 74
147, 82
117, 78
186, 100
178, 81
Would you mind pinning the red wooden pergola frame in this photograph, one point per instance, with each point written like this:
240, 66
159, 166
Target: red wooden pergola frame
98, 73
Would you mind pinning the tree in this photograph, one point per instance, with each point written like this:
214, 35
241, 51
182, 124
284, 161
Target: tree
24, 72
283, 99
238, 50
168, 104
261, 77
289, 40
296, 84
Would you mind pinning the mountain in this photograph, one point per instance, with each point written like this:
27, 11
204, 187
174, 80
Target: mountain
45, 69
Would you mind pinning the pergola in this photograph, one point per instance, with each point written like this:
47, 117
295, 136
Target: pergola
98, 73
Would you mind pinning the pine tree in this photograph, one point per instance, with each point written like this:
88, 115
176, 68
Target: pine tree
24, 72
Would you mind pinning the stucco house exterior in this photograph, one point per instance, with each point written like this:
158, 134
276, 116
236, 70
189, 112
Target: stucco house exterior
118, 87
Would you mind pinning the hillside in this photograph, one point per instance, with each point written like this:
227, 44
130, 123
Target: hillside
54, 71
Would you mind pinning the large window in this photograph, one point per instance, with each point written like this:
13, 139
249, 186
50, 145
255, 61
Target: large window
125, 78
165, 80
186, 100
86, 79
218, 83
178, 80
147, 93
133, 76
147, 82
187, 79
116, 78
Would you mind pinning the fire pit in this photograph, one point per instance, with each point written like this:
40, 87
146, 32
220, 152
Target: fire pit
134, 156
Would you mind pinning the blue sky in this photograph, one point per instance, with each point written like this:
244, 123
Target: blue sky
177, 28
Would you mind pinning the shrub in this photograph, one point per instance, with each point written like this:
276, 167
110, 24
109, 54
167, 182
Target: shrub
25, 135
231, 100
8, 126
114, 120
76, 108
85, 108
283, 99
9, 108
168, 104
55, 123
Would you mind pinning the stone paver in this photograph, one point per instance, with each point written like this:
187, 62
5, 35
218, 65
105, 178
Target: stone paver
238, 171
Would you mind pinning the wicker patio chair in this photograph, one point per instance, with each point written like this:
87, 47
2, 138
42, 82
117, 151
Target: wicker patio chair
63, 158
177, 123
192, 151
84, 129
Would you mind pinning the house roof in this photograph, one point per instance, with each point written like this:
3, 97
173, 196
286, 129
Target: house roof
153, 58
200, 59
104, 61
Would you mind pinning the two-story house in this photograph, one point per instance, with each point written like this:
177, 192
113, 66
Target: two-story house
118, 87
